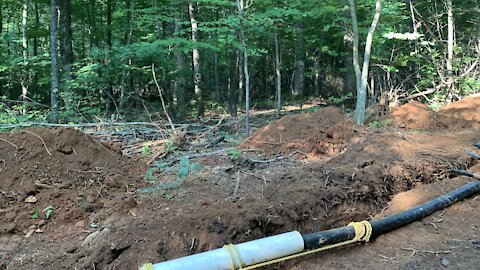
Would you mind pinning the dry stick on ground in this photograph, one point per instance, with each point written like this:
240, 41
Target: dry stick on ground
235, 195
278, 158
161, 98
160, 152
46, 148
414, 251
12, 144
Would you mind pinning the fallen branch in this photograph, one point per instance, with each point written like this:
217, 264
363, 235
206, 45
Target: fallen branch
46, 148
161, 98
414, 251
278, 158
12, 144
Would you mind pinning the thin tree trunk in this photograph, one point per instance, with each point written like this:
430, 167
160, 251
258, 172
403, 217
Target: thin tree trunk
110, 94
1, 17
450, 45
278, 75
8, 29
233, 83
240, 7
158, 23
66, 49
318, 87
241, 81
197, 77
179, 85
127, 41
25, 79
37, 27
362, 74
299, 77
216, 77
93, 24
54, 65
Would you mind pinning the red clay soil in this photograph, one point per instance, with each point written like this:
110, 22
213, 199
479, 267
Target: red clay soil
99, 224
448, 239
52, 163
325, 132
464, 113
467, 109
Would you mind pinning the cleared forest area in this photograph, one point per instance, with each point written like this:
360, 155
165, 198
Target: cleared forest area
137, 131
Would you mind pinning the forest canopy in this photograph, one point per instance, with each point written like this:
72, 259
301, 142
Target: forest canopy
83, 60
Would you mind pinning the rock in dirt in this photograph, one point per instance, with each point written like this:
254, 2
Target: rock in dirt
445, 262
95, 237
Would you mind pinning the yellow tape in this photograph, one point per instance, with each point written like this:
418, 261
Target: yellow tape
229, 248
147, 266
363, 232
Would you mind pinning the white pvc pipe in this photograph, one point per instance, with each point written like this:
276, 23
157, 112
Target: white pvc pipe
251, 253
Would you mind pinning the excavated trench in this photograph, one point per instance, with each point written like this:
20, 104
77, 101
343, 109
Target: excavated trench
354, 185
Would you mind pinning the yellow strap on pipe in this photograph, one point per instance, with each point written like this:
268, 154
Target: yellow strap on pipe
363, 232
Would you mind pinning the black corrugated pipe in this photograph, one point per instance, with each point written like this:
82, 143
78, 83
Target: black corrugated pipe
265, 251
387, 224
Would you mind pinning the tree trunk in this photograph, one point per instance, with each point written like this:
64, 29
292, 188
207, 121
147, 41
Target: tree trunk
450, 45
278, 75
240, 7
318, 84
66, 50
362, 74
66, 45
127, 41
241, 80
197, 77
218, 94
110, 95
54, 65
37, 27
233, 83
158, 23
180, 81
299, 77
1, 17
25, 79
93, 24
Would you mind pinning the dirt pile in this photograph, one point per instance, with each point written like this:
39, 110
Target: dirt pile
464, 113
325, 132
35, 158
467, 109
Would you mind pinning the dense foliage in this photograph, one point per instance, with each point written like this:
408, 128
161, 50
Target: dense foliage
107, 50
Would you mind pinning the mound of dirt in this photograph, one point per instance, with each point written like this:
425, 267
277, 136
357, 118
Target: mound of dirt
467, 109
416, 115
35, 158
325, 132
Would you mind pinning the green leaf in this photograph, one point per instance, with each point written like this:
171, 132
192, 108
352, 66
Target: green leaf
184, 162
49, 211
183, 172
34, 215
197, 167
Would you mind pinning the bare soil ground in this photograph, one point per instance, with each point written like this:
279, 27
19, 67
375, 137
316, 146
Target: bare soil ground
332, 172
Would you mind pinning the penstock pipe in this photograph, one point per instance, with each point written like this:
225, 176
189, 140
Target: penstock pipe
387, 224
267, 249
